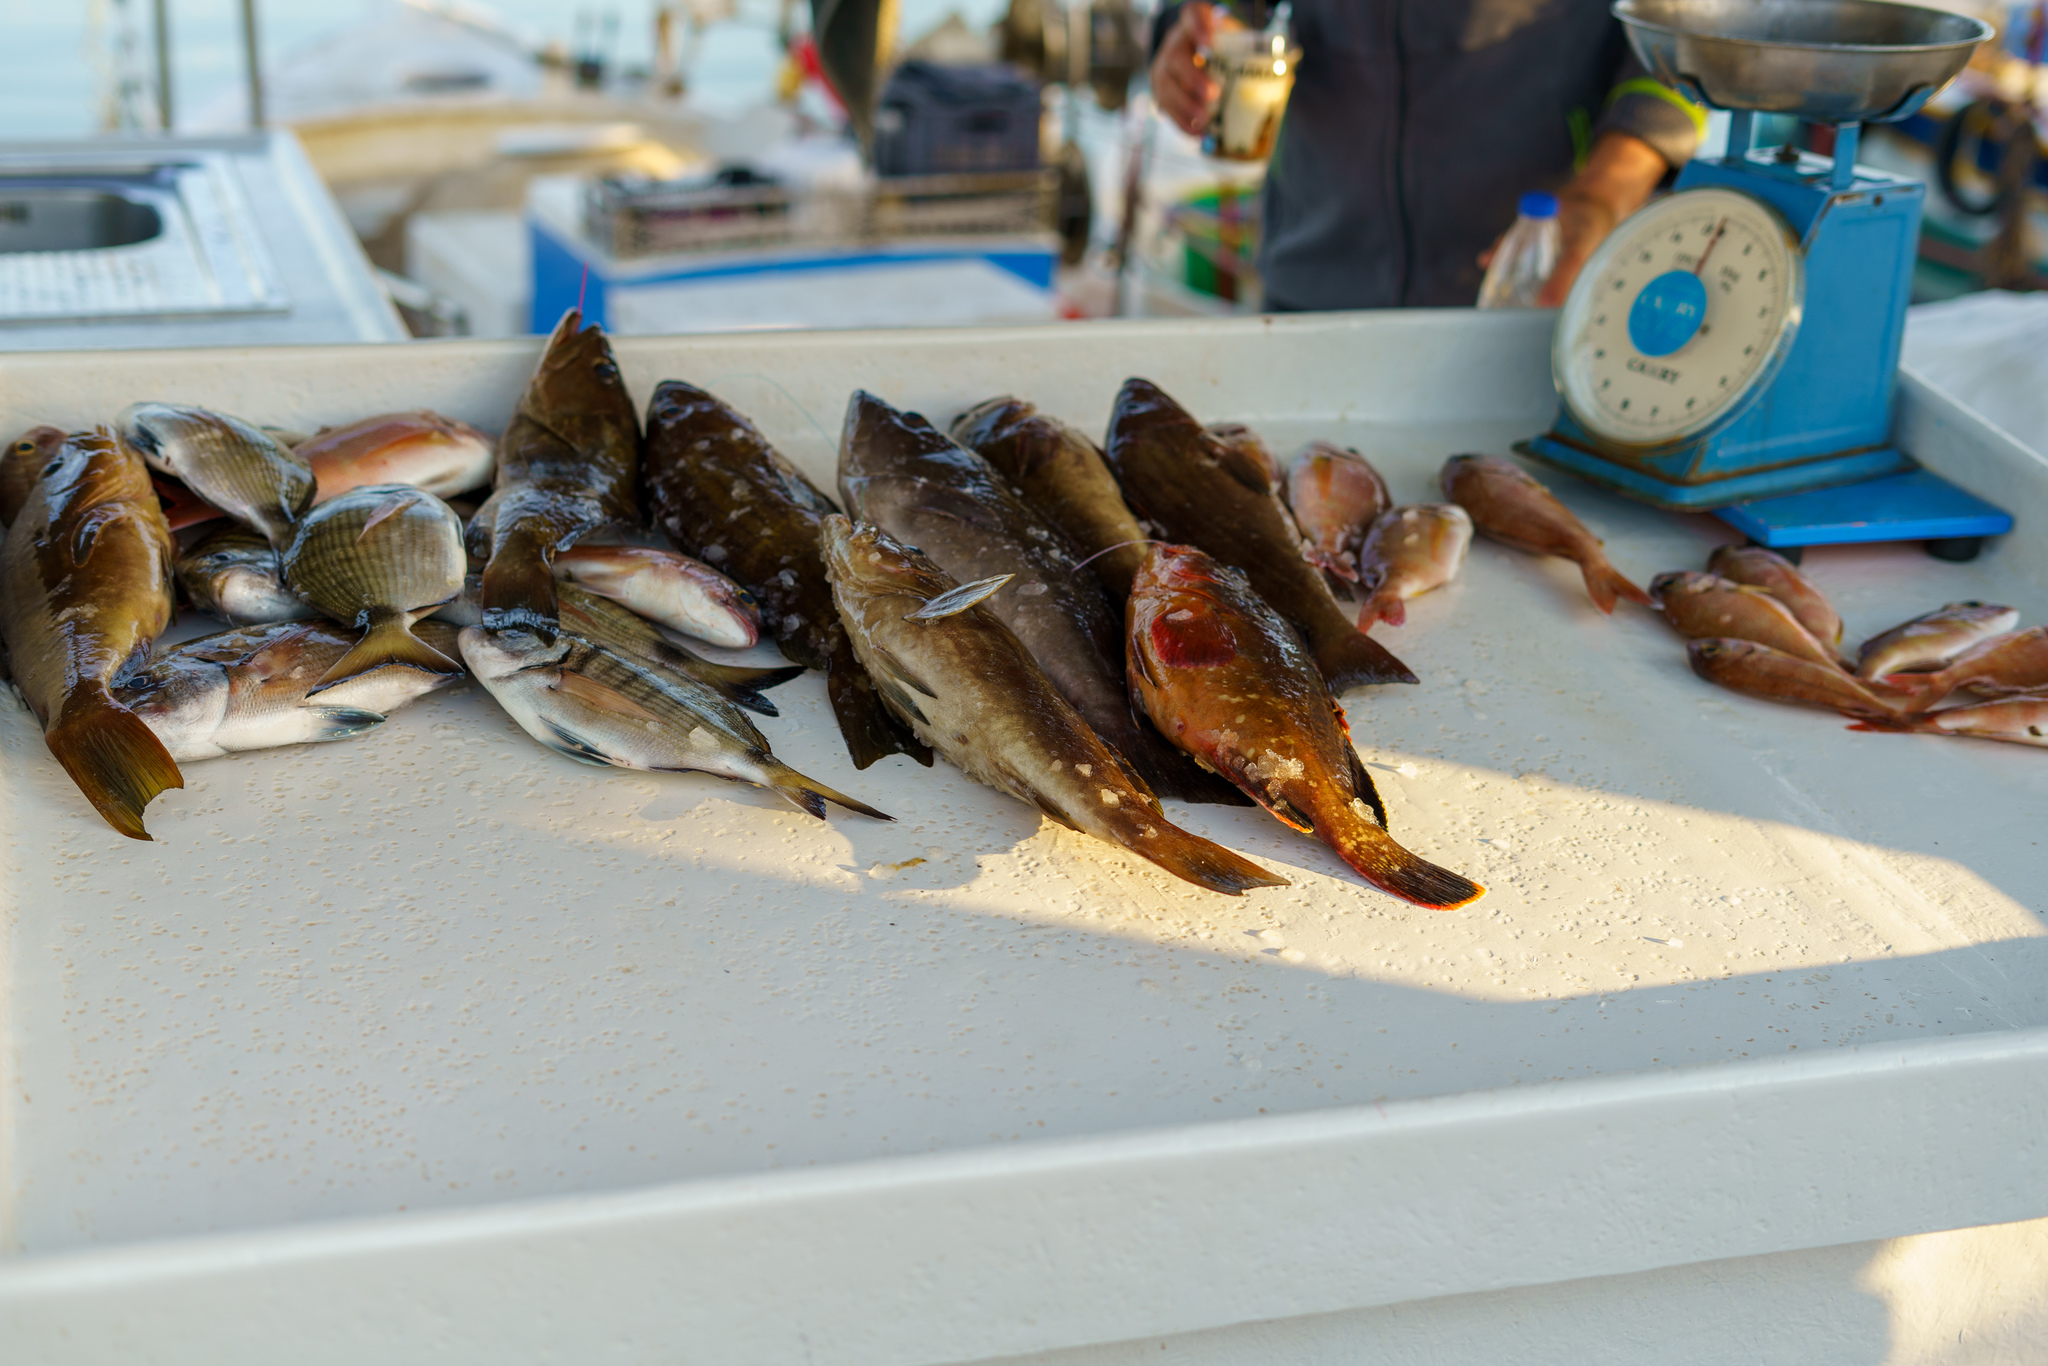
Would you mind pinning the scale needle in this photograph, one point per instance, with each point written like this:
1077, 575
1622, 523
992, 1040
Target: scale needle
1701, 264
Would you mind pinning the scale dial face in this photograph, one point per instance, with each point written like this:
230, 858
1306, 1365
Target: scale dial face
1680, 316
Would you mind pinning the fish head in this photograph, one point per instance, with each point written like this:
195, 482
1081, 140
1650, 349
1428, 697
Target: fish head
37, 446
1178, 616
878, 439
866, 559
186, 704
496, 657
990, 421
1714, 655
1686, 581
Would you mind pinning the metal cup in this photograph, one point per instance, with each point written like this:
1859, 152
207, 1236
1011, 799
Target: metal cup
1256, 74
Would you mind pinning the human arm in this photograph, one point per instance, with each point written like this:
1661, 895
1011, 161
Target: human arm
1619, 176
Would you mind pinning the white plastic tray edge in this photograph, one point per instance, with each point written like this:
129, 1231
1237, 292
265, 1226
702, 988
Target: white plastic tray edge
1005, 1250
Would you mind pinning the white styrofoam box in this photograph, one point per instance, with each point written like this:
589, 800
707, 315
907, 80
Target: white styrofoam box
481, 259
432, 1037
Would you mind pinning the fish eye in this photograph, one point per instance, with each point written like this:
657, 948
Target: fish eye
606, 370
24, 448
746, 598
51, 468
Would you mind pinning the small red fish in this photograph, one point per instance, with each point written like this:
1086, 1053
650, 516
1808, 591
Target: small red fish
1229, 681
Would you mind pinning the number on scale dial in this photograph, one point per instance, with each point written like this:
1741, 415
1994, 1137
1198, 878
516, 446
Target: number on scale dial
1678, 317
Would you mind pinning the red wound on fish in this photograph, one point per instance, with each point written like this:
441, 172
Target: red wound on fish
1186, 639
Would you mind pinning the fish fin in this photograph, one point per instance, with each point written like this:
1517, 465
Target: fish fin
1351, 659
573, 746
115, 758
1364, 788
1891, 725
518, 588
1290, 815
87, 534
592, 693
1170, 772
1052, 812
958, 600
1335, 571
1375, 856
865, 724
339, 723
393, 504
1208, 865
388, 641
901, 673
809, 795
1607, 584
1383, 606
1240, 465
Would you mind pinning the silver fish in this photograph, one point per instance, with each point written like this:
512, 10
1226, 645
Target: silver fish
247, 689
1934, 639
597, 707
234, 465
378, 558
232, 574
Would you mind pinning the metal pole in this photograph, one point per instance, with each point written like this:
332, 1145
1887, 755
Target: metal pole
249, 46
163, 64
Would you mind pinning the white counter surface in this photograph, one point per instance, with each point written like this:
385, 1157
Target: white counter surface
1745, 981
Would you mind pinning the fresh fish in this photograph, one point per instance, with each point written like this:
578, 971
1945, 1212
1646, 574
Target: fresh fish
1201, 492
1509, 506
247, 689
719, 491
668, 589
1749, 667
1063, 476
568, 464
902, 474
22, 465
971, 690
231, 464
85, 589
1233, 684
1761, 567
377, 559
603, 623
1930, 641
1707, 607
1247, 442
424, 449
2016, 662
1409, 551
602, 708
2021, 720
233, 574
1336, 496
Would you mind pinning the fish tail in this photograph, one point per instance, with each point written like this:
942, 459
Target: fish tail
1351, 658
388, 641
809, 795
1386, 865
518, 589
1915, 692
1608, 584
115, 758
1193, 859
1892, 725
870, 732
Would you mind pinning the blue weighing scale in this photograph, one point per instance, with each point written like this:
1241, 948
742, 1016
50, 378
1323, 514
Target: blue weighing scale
1732, 347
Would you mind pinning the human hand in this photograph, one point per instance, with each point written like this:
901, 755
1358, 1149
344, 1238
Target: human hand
1181, 86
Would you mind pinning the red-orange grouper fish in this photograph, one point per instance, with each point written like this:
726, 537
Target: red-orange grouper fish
1229, 681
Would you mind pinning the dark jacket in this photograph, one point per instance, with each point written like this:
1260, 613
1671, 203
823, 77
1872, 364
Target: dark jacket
1416, 124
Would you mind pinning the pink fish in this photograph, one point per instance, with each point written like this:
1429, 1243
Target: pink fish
668, 589
423, 449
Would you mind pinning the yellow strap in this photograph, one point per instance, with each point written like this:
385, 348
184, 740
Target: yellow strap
1644, 85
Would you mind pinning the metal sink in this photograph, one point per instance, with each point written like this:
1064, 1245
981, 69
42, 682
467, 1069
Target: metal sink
113, 236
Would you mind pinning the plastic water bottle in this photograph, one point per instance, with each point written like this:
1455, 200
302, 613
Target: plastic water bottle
1526, 256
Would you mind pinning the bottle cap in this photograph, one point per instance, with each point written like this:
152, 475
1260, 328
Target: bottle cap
1538, 204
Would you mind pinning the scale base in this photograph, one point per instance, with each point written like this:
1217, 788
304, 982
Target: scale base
1916, 506
1849, 467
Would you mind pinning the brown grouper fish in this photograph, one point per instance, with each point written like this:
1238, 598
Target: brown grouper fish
1233, 684
902, 474
85, 590
1199, 491
962, 679
568, 464
1063, 475
718, 490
